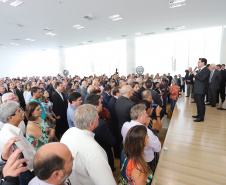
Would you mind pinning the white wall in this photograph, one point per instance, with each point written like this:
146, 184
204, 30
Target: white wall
223, 46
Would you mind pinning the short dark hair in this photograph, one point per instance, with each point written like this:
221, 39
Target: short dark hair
45, 168
116, 90
223, 64
219, 65
57, 84
95, 91
76, 81
148, 84
34, 90
133, 84
203, 60
93, 99
30, 108
73, 96
107, 87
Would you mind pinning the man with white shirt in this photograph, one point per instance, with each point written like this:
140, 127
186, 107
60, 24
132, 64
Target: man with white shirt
90, 160
9, 97
139, 116
11, 115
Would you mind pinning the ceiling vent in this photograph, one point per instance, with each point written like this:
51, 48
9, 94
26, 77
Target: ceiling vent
89, 17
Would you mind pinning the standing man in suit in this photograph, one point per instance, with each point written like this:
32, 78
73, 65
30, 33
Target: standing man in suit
189, 82
60, 109
114, 120
181, 82
155, 95
222, 84
214, 84
106, 96
170, 79
200, 88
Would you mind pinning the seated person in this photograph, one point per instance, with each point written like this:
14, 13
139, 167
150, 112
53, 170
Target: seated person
52, 165
134, 169
38, 131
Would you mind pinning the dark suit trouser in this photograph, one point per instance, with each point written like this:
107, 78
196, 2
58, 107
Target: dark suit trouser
200, 103
61, 127
182, 88
212, 95
222, 93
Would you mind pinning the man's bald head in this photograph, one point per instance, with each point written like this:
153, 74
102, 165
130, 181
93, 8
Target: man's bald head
50, 158
90, 88
127, 91
146, 95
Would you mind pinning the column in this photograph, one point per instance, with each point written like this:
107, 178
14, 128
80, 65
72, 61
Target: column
62, 61
131, 58
223, 46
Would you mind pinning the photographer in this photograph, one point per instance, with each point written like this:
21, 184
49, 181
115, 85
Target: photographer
11, 166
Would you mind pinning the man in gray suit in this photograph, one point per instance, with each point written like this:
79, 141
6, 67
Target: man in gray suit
214, 84
200, 88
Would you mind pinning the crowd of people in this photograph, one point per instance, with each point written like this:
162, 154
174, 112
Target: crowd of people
62, 129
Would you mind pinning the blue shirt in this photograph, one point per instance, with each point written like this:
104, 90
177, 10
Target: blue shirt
70, 115
43, 116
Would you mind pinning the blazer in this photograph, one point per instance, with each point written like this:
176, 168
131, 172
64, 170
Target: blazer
189, 77
201, 81
21, 97
112, 110
106, 99
123, 106
216, 80
156, 97
59, 105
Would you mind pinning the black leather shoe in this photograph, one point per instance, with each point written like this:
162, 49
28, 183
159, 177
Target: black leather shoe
193, 102
208, 104
221, 108
198, 120
186, 96
195, 116
213, 105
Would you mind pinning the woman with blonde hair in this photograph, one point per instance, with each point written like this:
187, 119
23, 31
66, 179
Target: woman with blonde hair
96, 84
134, 169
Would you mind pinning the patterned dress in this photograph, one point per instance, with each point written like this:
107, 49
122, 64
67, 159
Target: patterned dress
48, 110
126, 167
43, 138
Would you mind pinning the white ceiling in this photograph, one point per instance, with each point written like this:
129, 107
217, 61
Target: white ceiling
29, 19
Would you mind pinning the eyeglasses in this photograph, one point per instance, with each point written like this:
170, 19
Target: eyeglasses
15, 98
19, 111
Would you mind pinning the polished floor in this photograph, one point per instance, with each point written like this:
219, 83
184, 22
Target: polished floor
196, 151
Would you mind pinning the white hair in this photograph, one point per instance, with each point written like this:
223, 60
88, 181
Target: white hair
213, 66
8, 109
83, 115
125, 90
5, 97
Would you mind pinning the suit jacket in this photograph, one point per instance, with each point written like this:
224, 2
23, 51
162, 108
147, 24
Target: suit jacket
156, 97
179, 81
123, 106
170, 79
201, 81
83, 93
216, 80
106, 99
112, 110
223, 74
189, 76
59, 105
21, 97
140, 92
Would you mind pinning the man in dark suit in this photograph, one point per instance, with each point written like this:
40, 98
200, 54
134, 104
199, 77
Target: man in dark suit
60, 109
200, 88
123, 105
106, 96
222, 84
170, 79
181, 82
189, 82
214, 84
102, 132
155, 95
114, 125
18, 93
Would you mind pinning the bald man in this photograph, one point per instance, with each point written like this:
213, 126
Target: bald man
52, 165
124, 104
89, 90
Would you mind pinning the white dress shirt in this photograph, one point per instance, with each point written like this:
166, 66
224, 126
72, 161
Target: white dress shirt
9, 131
90, 166
37, 181
154, 144
21, 126
28, 97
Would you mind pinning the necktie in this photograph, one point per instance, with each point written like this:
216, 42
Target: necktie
211, 75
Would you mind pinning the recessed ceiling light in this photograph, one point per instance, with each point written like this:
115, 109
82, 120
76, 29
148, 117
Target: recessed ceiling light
29, 39
16, 3
150, 33
89, 17
15, 44
47, 29
115, 17
176, 1
177, 5
3, 1
78, 26
138, 33
179, 27
51, 34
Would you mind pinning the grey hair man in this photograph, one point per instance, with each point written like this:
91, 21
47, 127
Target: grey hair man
139, 116
10, 97
52, 165
84, 89
91, 166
